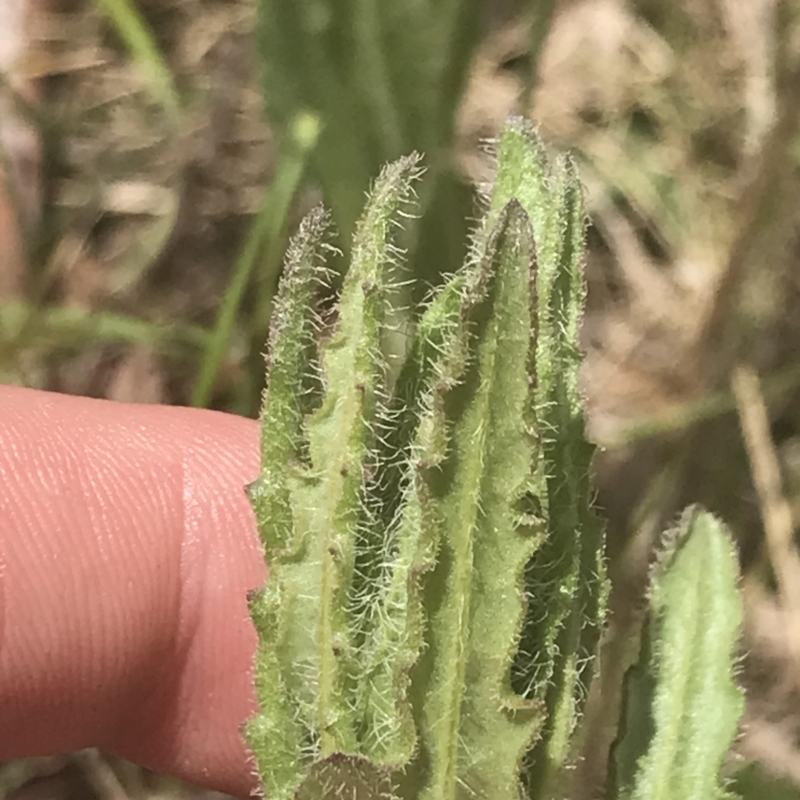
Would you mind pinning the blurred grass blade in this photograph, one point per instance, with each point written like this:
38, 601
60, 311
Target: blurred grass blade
141, 43
266, 230
23, 326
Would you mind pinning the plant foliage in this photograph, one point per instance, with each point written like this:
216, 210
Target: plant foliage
437, 582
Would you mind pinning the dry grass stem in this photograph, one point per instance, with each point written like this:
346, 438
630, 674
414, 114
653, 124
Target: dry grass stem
776, 513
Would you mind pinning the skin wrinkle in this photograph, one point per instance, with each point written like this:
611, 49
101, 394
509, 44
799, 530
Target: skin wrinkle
100, 609
153, 683
132, 547
100, 518
191, 565
38, 555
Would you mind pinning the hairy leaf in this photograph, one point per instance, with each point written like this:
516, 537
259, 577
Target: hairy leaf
683, 705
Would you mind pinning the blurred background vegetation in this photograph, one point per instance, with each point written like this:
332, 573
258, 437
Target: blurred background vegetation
156, 155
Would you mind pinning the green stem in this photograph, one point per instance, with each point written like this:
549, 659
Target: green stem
141, 43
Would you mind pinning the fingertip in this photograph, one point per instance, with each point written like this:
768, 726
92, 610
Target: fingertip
127, 549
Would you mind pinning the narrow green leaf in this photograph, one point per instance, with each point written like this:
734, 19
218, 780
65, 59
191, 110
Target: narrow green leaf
475, 730
565, 579
415, 441
341, 434
139, 39
288, 396
309, 66
683, 690
383, 78
374, 74
318, 433
276, 734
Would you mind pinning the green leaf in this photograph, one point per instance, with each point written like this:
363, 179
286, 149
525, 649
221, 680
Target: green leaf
341, 434
415, 440
343, 777
383, 78
276, 733
289, 396
682, 693
475, 730
318, 432
436, 576
565, 580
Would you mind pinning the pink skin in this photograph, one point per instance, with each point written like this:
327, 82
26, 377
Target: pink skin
127, 547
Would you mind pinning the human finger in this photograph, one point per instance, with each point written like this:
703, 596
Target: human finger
127, 547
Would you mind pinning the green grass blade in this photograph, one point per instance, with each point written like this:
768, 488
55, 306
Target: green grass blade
140, 41
266, 230
23, 326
